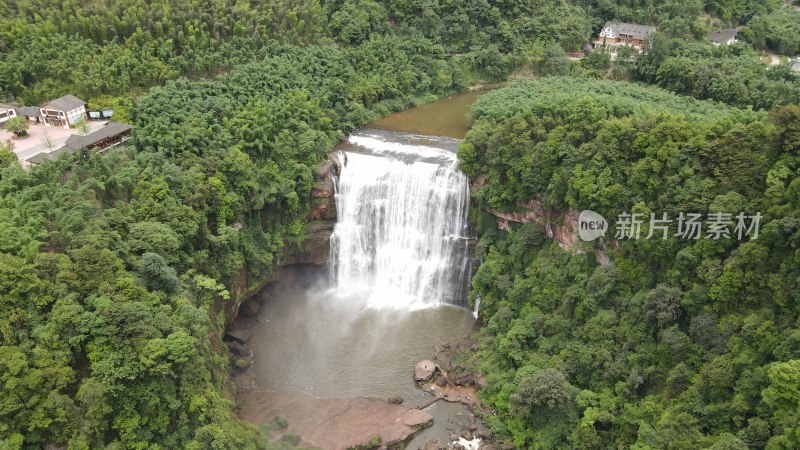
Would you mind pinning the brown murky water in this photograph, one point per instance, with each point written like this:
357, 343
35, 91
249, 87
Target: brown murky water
329, 346
446, 117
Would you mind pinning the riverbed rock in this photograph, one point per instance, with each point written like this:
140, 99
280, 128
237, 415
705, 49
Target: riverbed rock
239, 335
395, 400
242, 364
417, 419
250, 308
237, 348
336, 423
424, 370
441, 381
465, 379
467, 435
485, 434
431, 444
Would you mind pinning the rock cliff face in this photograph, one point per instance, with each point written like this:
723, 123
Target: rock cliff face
313, 249
561, 226
321, 218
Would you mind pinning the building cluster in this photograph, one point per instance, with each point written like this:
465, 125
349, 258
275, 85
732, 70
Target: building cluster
67, 112
618, 34
63, 112
614, 35
110, 135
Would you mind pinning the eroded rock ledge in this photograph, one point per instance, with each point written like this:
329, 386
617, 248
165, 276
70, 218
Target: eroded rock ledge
333, 423
561, 226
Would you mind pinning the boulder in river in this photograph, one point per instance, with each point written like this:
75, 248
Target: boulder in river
250, 308
239, 335
417, 419
238, 349
465, 379
424, 370
395, 400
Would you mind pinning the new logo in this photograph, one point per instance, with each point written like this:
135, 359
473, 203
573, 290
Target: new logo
591, 225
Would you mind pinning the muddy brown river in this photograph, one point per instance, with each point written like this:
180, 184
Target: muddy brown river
327, 345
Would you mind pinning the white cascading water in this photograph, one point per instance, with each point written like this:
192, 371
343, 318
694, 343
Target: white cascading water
401, 236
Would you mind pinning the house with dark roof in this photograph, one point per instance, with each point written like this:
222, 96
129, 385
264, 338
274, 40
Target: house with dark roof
32, 113
7, 112
726, 36
64, 111
618, 34
110, 135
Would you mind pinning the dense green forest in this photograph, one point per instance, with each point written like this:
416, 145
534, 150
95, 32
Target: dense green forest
115, 271
109, 52
673, 343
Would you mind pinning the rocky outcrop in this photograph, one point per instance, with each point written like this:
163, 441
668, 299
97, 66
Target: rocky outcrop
424, 370
313, 248
333, 423
561, 226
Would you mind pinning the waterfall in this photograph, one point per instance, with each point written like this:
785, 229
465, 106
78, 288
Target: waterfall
477, 307
401, 236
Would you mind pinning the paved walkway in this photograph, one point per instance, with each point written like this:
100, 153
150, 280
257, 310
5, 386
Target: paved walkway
42, 139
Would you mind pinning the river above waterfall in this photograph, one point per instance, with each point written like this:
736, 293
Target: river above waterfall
448, 116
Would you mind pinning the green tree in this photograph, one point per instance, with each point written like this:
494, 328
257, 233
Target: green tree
7, 156
18, 125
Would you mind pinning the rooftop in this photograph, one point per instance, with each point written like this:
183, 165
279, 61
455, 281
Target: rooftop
52, 156
31, 111
631, 29
723, 36
76, 141
65, 103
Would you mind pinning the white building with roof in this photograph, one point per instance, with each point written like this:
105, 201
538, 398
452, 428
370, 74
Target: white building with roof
7, 112
618, 34
64, 111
